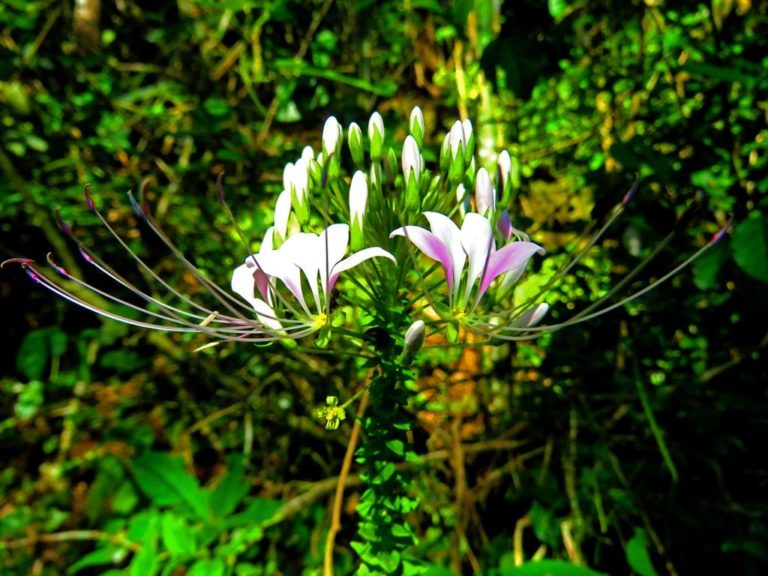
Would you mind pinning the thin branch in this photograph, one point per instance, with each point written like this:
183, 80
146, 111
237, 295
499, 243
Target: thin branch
340, 483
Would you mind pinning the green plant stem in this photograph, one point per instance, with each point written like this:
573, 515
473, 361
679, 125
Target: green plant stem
383, 532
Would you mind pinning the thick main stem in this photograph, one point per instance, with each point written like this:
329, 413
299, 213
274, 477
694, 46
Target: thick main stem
384, 533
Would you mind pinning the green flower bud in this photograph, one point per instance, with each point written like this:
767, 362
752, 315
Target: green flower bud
376, 136
355, 143
416, 125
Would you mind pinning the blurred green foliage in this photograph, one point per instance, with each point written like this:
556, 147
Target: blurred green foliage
629, 444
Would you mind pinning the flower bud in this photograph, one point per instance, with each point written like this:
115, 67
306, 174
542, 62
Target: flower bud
445, 154
456, 139
355, 143
504, 225
358, 199
485, 195
462, 199
504, 166
296, 182
282, 212
332, 134
416, 125
376, 135
504, 176
414, 339
412, 160
413, 165
469, 141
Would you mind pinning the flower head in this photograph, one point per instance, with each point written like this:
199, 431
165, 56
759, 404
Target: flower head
305, 259
473, 245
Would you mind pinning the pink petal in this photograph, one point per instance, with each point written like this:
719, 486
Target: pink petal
513, 259
447, 231
431, 246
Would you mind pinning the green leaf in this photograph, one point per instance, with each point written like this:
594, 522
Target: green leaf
177, 535
544, 524
259, 511
750, 247
548, 568
145, 562
207, 567
557, 9
231, 490
99, 557
163, 479
108, 477
707, 267
637, 554
396, 446
37, 348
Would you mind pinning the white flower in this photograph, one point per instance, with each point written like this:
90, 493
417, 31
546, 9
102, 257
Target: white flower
305, 259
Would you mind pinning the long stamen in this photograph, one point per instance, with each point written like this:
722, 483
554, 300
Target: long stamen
222, 296
535, 331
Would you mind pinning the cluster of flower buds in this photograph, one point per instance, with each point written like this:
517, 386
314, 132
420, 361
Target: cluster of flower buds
345, 206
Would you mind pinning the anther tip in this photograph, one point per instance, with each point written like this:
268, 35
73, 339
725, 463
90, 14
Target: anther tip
60, 270
717, 236
85, 254
144, 185
88, 198
60, 221
20, 261
631, 193
140, 210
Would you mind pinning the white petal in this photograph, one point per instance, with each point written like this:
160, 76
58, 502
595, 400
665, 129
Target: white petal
307, 154
505, 167
412, 160
242, 280
331, 135
456, 138
358, 196
417, 118
531, 317
354, 260
477, 241
282, 212
376, 124
281, 264
288, 176
266, 314
268, 243
485, 195
466, 128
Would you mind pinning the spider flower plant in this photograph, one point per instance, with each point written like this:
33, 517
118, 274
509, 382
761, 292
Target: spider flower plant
365, 197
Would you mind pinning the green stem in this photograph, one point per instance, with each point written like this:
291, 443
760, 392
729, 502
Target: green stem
384, 533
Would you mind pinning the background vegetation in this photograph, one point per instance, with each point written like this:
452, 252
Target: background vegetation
630, 444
